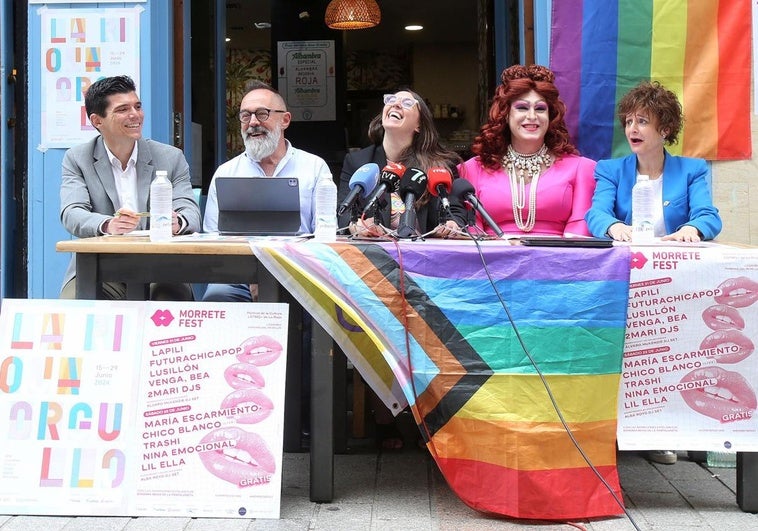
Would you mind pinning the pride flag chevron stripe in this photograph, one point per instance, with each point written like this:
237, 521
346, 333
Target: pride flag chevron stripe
442, 331
699, 49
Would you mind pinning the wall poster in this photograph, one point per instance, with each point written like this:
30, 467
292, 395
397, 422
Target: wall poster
142, 408
80, 46
306, 79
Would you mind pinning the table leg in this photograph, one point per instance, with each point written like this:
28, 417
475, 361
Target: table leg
87, 284
269, 290
322, 421
747, 481
339, 415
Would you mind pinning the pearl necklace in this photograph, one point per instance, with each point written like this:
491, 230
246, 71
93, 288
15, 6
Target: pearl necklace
516, 165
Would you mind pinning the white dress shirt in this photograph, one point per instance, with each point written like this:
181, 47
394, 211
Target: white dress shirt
307, 167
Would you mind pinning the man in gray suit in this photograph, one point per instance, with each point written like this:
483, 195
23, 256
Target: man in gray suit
106, 181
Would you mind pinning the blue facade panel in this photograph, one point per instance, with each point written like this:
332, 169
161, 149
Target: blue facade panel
46, 266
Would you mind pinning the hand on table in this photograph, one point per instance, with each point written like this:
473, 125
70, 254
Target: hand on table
687, 233
175, 225
620, 232
450, 230
366, 228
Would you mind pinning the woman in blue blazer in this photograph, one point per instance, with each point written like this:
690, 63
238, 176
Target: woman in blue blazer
652, 117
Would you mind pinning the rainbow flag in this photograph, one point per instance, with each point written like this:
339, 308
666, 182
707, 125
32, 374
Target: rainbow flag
699, 49
438, 323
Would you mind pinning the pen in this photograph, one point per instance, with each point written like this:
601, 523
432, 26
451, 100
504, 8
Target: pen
138, 214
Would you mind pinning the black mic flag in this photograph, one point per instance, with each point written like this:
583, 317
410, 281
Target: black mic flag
464, 190
412, 185
388, 181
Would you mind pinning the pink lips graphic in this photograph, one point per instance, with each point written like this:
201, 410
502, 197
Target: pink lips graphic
252, 404
243, 376
738, 292
247, 462
734, 345
728, 398
722, 317
260, 350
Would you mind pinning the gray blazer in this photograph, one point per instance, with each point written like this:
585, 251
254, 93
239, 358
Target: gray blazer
88, 189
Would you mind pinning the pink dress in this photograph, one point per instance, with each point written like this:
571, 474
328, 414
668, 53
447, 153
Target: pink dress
564, 194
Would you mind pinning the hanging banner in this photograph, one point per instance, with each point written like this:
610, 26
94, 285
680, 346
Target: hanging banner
80, 46
690, 368
142, 408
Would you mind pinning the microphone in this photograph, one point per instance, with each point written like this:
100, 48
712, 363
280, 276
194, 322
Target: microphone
440, 184
412, 185
362, 182
388, 181
463, 189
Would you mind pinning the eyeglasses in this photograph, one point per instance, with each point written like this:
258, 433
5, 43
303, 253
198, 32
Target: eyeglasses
406, 103
261, 114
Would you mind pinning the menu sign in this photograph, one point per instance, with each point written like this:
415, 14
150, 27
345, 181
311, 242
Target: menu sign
142, 408
689, 369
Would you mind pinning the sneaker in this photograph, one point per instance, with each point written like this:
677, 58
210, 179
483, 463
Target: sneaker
664, 457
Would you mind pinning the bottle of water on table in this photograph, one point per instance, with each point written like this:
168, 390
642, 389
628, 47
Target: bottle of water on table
643, 196
325, 210
161, 193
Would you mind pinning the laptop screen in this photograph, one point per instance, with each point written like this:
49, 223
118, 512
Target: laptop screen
258, 206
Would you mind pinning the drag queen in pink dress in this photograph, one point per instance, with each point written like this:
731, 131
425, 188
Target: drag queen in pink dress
526, 173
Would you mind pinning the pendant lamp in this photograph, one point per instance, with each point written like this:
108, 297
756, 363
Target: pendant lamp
352, 14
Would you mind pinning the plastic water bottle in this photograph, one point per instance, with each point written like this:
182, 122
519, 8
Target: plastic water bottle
160, 207
643, 196
722, 459
326, 211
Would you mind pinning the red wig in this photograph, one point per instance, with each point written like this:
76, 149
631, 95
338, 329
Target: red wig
495, 136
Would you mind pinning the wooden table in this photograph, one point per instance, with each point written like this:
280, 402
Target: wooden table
137, 261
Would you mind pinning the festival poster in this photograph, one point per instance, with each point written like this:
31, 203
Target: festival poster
68, 373
78, 47
690, 373
142, 408
211, 410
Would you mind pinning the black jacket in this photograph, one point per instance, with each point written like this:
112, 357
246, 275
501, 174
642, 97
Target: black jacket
428, 215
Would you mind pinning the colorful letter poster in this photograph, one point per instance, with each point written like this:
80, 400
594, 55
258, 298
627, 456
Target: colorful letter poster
142, 408
690, 370
78, 47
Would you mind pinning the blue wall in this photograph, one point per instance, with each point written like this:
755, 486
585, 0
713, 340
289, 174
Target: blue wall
7, 210
46, 266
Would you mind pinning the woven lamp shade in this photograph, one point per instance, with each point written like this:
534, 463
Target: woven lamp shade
352, 14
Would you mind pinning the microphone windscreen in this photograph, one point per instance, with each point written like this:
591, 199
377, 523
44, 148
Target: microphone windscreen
414, 181
439, 176
462, 187
390, 175
367, 177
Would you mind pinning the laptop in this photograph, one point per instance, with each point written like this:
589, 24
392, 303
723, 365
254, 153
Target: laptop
560, 241
258, 206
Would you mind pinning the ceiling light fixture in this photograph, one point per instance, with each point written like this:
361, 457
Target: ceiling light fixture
414, 27
352, 14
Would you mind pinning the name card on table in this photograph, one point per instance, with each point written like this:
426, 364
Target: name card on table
142, 408
690, 370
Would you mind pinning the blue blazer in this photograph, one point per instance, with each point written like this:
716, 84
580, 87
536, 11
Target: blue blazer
686, 195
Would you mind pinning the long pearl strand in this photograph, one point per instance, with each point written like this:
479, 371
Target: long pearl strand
517, 164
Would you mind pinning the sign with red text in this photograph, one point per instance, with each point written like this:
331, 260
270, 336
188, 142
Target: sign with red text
690, 372
306, 79
142, 408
